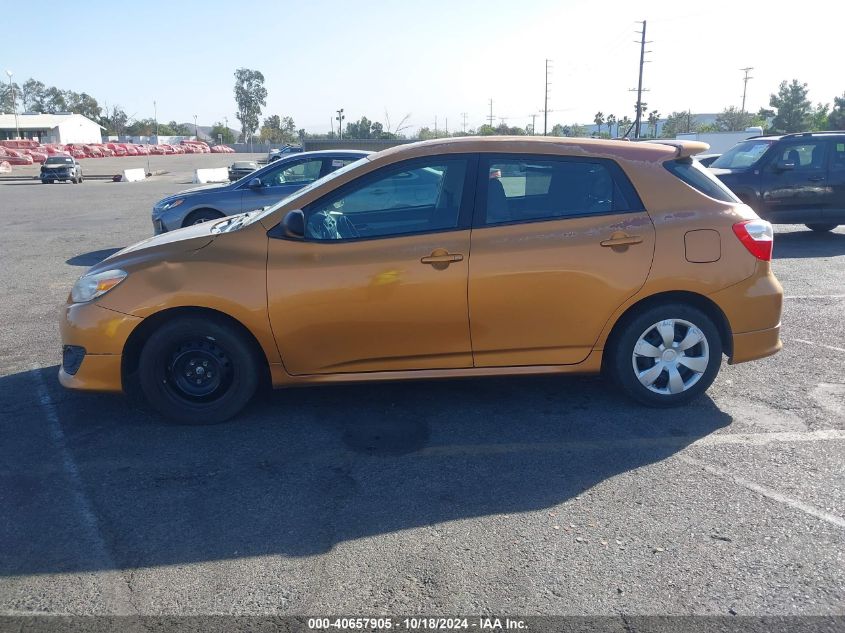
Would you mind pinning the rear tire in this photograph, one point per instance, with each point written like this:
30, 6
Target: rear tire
200, 216
660, 375
198, 370
821, 227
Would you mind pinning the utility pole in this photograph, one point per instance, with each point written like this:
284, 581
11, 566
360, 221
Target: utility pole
340, 118
464, 117
546, 102
490, 118
643, 51
533, 124
155, 118
745, 84
447, 126
196, 129
435, 126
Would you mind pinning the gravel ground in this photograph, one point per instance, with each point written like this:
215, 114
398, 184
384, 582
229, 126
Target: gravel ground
503, 496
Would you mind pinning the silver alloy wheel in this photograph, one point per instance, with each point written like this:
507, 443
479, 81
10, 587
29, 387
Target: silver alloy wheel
670, 356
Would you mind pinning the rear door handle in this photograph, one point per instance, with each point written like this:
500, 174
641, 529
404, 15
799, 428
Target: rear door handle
622, 240
816, 178
446, 258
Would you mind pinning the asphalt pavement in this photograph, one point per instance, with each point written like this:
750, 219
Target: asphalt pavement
528, 495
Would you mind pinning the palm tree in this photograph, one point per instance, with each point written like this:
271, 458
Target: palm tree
599, 120
611, 119
653, 118
625, 123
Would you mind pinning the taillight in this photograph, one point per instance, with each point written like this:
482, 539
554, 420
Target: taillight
757, 236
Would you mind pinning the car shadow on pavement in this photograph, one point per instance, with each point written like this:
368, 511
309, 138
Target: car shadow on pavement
808, 244
92, 257
98, 481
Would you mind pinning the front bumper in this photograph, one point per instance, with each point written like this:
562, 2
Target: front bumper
102, 334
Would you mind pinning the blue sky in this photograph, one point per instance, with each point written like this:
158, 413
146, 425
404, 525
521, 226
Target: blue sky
427, 59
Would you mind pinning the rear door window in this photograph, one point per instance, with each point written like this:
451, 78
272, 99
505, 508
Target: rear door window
534, 188
700, 179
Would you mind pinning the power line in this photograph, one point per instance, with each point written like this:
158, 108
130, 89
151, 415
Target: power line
745, 84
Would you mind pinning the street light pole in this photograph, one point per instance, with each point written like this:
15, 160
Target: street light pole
155, 118
196, 129
340, 118
14, 104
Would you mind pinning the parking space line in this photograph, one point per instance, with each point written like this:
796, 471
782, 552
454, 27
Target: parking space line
98, 553
814, 297
831, 347
774, 495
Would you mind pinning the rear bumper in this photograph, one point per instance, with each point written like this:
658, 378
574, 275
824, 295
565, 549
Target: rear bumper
753, 345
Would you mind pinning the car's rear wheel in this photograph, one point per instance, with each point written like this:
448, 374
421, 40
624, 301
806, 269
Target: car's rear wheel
666, 355
821, 227
200, 216
198, 370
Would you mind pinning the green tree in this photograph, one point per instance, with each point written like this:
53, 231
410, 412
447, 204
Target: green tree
219, 130
679, 123
32, 95
278, 130
360, 129
251, 96
486, 130
599, 121
611, 121
732, 119
6, 102
819, 117
836, 118
177, 129
793, 108
116, 121
559, 130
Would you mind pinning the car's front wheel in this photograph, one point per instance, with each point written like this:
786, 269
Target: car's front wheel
203, 215
821, 227
198, 370
666, 355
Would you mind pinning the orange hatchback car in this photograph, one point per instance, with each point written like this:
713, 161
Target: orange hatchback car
447, 258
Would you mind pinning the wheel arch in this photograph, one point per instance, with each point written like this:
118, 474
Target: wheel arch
194, 212
139, 336
703, 303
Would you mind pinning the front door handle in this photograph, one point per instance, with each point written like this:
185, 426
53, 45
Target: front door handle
440, 258
816, 178
622, 239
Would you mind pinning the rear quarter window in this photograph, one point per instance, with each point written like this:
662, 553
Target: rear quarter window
697, 177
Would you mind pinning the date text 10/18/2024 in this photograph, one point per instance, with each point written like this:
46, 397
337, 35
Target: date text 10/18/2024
416, 624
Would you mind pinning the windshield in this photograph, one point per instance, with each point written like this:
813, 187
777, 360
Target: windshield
743, 154
308, 188
59, 161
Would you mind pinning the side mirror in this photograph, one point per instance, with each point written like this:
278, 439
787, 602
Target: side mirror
293, 224
255, 183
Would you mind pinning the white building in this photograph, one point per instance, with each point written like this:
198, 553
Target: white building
64, 127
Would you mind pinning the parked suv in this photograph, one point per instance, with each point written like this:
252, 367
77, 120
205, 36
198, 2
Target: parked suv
447, 258
61, 168
790, 179
256, 190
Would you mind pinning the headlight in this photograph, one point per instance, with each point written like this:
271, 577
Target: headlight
172, 204
90, 287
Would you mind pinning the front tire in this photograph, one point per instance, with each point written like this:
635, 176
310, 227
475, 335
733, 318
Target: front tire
821, 227
666, 355
198, 217
198, 370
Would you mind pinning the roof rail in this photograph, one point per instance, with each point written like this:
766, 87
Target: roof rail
822, 132
684, 148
